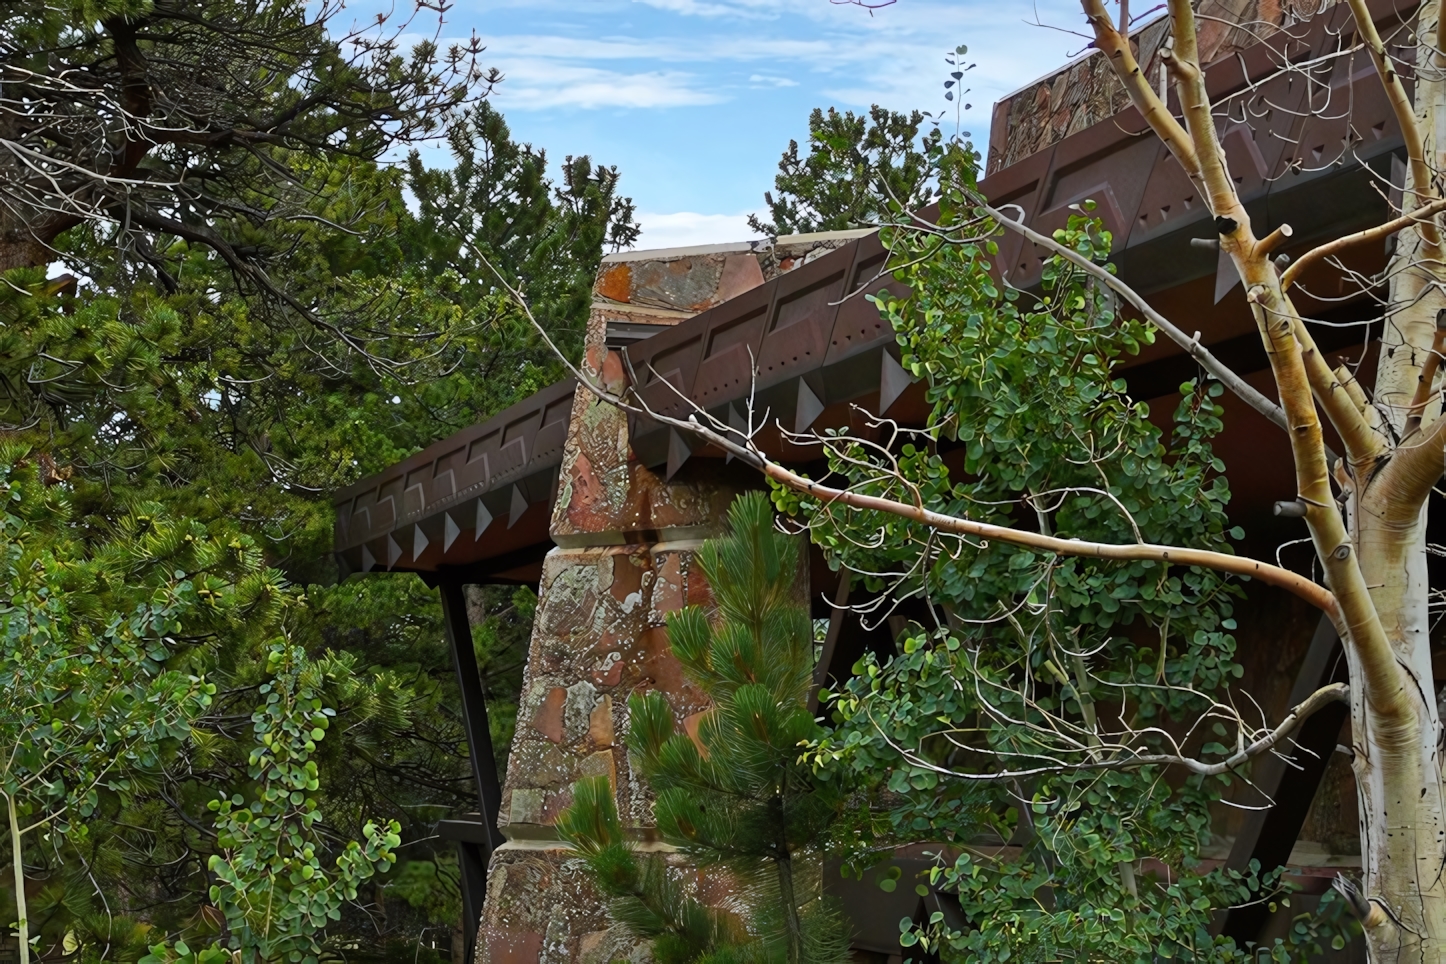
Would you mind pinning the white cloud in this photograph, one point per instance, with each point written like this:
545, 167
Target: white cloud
894, 57
539, 85
689, 8
748, 9
714, 88
668, 49
687, 227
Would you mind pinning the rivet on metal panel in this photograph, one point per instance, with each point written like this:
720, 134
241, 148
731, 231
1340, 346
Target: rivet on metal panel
519, 506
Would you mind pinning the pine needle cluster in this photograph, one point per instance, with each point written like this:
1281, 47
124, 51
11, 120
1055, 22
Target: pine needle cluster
738, 799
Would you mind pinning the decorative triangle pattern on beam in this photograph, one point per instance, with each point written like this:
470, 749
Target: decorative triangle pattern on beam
809, 408
450, 531
394, 552
419, 542
1226, 277
484, 519
519, 506
738, 421
678, 453
892, 382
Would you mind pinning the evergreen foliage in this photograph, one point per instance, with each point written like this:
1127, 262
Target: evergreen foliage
191, 107
858, 169
98, 659
739, 799
178, 382
497, 203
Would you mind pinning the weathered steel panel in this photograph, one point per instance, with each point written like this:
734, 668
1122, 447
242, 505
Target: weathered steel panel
521, 445
802, 318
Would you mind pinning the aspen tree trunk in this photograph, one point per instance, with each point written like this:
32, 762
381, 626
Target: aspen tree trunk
1373, 551
22, 925
1398, 764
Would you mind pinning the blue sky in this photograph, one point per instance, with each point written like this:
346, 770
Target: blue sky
694, 100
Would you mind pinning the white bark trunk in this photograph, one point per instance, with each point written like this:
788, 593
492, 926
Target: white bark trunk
22, 925
1399, 769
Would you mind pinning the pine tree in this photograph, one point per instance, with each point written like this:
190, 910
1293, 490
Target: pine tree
738, 799
859, 168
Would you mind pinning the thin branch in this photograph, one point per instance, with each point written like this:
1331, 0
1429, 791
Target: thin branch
1421, 182
1125, 758
1151, 107
1331, 248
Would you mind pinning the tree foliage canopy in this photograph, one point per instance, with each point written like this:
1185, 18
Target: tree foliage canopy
258, 320
1023, 697
858, 169
201, 121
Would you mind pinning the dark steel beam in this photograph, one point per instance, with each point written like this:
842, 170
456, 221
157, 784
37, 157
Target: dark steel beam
836, 619
473, 847
493, 571
476, 846
848, 640
1269, 835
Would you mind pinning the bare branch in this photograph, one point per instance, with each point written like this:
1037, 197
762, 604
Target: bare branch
1419, 216
1123, 756
750, 454
1117, 48
1405, 116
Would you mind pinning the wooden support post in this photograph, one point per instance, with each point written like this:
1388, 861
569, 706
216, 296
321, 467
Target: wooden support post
479, 837
1269, 835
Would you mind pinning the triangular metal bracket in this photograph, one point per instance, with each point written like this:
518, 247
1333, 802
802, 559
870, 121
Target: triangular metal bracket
419, 542
394, 552
450, 531
893, 379
368, 562
678, 453
737, 421
484, 519
1226, 277
519, 506
808, 410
